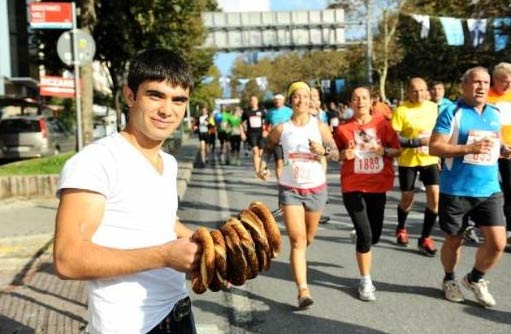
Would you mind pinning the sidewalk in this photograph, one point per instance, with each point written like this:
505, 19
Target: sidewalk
32, 298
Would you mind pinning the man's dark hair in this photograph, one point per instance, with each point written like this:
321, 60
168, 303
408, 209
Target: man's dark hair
158, 65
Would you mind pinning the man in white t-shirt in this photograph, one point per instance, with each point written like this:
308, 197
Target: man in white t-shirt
116, 224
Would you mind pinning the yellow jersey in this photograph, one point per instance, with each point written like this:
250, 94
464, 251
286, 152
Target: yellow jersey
415, 121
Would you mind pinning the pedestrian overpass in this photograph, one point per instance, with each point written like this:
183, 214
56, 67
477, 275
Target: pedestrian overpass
276, 30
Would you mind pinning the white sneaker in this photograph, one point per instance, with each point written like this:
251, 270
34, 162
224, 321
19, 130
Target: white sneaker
452, 291
480, 290
366, 292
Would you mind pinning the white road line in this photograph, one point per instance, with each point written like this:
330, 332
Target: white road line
209, 329
241, 305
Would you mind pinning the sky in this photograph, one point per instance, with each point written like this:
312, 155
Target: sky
225, 60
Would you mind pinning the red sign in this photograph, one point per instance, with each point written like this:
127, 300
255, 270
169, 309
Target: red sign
57, 86
51, 15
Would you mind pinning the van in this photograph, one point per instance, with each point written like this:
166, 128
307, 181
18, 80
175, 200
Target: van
33, 137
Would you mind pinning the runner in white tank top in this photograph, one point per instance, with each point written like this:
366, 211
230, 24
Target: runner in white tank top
302, 168
302, 185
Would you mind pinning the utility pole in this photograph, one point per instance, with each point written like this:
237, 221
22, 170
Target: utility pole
369, 49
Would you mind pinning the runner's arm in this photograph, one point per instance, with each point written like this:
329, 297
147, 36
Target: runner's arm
79, 215
439, 145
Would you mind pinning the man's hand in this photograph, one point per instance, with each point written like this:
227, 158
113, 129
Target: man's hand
505, 151
183, 254
481, 146
263, 174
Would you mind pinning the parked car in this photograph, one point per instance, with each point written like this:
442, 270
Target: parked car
34, 136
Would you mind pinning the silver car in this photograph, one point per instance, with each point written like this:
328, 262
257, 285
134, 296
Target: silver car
34, 136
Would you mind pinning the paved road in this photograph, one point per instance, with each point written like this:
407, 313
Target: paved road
409, 298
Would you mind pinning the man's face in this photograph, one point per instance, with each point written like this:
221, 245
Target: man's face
156, 110
502, 83
437, 92
253, 102
279, 102
417, 91
475, 89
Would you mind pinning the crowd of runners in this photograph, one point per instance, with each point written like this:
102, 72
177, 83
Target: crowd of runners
457, 149
118, 198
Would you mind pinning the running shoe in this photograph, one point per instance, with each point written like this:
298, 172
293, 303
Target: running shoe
402, 237
304, 299
452, 291
470, 235
480, 290
427, 246
366, 292
277, 212
324, 219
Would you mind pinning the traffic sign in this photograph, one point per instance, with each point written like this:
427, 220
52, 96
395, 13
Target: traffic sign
57, 86
51, 15
86, 48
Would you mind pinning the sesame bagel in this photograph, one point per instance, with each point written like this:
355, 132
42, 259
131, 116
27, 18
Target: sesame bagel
237, 267
248, 246
203, 274
270, 226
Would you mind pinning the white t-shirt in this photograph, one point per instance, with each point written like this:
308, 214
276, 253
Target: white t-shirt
140, 211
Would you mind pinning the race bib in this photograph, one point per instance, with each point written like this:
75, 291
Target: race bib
334, 122
367, 162
485, 159
255, 121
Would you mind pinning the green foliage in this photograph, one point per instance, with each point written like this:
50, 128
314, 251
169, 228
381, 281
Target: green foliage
41, 166
205, 93
432, 58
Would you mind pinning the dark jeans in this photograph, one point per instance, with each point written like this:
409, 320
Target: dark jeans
178, 321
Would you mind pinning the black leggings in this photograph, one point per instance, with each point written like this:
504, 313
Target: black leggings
505, 175
366, 211
235, 143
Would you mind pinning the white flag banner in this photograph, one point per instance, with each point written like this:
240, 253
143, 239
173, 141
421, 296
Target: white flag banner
424, 22
325, 86
453, 30
477, 28
262, 83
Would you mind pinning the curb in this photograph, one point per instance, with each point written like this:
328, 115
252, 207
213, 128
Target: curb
19, 254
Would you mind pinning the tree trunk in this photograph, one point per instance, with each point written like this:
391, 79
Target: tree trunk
88, 19
87, 102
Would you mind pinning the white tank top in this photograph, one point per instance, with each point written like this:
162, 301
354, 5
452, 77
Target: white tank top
302, 168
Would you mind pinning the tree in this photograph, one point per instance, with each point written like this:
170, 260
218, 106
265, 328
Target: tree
206, 91
431, 57
386, 50
125, 27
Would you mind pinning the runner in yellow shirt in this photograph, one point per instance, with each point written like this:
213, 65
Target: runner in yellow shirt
500, 96
413, 121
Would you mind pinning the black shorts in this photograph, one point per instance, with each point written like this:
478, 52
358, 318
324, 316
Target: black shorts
222, 137
454, 211
203, 136
211, 139
255, 139
278, 153
430, 175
